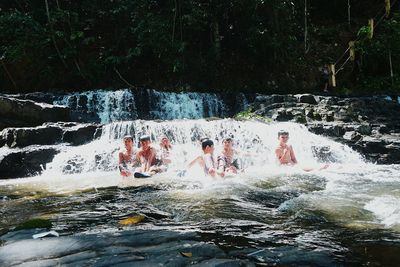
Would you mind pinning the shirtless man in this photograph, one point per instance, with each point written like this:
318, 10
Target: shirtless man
284, 152
206, 161
127, 158
227, 161
147, 156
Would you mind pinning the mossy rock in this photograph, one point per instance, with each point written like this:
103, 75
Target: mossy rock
248, 115
34, 223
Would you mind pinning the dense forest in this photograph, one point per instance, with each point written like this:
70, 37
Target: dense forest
229, 45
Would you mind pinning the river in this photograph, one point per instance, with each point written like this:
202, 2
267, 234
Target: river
345, 215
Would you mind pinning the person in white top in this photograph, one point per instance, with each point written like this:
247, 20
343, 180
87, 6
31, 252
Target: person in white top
207, 160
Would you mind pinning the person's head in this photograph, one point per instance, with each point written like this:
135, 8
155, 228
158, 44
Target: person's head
145, 141
164, 142
207, 145
283, 136
128, 141
227, 142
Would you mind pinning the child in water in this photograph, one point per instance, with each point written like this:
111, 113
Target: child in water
285, 153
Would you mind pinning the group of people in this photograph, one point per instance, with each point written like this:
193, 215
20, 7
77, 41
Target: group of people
148, 161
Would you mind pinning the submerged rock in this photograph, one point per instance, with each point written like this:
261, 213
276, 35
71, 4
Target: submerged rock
122, 248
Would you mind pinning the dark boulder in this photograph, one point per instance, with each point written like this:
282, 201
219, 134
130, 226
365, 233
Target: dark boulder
307, 98
25, 162
42, 135
17, 112
50, 134
82, 134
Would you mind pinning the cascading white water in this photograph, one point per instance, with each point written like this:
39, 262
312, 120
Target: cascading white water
167, 106
125, 104
255, 138
107, 105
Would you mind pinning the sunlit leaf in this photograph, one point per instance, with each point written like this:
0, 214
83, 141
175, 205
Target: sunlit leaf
186, 254
132, 220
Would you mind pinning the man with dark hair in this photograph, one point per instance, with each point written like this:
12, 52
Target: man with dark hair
206, 161
147, 156
228, 159
127, 158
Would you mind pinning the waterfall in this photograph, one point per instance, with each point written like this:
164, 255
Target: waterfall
121, 105
168, 106
257, 139
101, 105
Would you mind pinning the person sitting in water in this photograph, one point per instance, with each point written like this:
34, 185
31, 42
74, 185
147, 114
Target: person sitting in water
206, 161
284, 152
127, 158
165, 150
147, 156
228, 161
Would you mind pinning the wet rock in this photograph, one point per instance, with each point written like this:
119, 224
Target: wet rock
50, 134
352, 136
307, 98
323, 153
122, 248
364, 129
82, 134
22, 137
29, 113
25, 162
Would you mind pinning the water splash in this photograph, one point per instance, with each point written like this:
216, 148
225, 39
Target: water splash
256, 139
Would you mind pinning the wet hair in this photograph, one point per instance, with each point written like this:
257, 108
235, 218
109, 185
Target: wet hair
205, 142
227, 139
145, 138
126, 137
283, 132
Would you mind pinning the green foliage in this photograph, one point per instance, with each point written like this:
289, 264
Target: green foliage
240, 45
249, 115
34, 223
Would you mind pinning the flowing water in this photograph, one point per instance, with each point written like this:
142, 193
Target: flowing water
125, 104
346, 215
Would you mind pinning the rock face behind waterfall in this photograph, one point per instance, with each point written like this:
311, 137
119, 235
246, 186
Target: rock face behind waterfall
26, 151
370, 125
21, 113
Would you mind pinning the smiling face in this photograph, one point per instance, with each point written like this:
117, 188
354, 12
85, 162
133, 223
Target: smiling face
145, 144
128, 142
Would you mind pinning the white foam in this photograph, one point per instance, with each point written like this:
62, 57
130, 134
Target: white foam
386, 209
